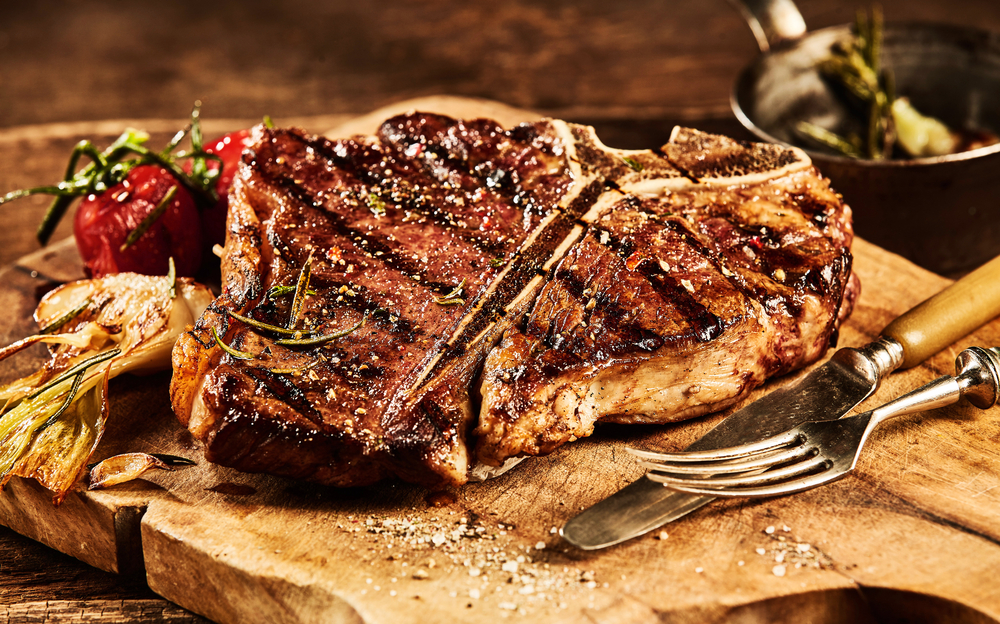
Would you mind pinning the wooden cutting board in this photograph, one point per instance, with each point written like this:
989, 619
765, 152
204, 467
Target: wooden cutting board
912, 535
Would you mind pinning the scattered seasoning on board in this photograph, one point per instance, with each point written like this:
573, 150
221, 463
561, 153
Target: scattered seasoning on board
485, 565
789, 553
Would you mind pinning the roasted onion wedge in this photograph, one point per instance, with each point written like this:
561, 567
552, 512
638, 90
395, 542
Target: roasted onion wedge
52, 420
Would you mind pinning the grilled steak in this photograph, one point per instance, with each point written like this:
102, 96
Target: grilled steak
630, 286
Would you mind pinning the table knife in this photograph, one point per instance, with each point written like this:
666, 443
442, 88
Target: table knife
828, 392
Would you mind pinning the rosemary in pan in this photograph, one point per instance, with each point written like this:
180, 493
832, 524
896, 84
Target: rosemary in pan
855, 65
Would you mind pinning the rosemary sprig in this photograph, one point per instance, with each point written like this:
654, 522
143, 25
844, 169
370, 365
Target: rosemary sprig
376, 205
149, 219
54, 326
452, 298
856, 65
322, 338
236, 353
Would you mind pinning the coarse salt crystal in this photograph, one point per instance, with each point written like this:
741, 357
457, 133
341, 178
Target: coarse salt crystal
769, 530
540, 546
761, 551
778, 570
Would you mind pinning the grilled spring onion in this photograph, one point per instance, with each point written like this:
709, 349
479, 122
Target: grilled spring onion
52, 420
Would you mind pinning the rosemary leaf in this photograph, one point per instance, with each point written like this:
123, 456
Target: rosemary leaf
301, 288
150, 219
70, 397
322, 338
278, 291
376, 205
264, 326
633, 163
52, 327
239, 355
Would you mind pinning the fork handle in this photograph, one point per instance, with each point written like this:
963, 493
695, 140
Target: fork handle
977, 379
956, 311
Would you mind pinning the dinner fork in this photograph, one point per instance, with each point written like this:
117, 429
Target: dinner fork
817, 452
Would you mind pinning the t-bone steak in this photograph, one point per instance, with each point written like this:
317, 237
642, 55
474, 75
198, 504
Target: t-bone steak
498, 291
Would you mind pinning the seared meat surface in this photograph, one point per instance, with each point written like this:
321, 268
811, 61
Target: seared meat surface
499, 290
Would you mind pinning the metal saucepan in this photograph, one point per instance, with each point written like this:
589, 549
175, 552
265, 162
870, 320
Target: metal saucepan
942, 212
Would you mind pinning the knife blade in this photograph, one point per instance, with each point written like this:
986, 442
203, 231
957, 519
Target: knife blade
828, 392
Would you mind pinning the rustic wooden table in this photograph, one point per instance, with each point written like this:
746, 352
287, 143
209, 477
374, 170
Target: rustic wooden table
66, 68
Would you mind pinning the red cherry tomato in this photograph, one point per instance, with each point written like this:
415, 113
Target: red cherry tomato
229, 148
103, 223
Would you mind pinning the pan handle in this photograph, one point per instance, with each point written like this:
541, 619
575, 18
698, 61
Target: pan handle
772, 21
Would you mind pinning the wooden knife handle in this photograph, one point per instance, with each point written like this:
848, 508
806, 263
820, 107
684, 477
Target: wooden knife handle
953, 313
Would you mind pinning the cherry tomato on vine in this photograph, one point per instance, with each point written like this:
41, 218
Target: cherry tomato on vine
104, 221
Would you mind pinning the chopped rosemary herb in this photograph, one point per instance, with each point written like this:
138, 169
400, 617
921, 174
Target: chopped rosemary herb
322, 338
267, 122
376, 205
52, 327
150, 219
633, 163
497, 262
452, 298
239, 355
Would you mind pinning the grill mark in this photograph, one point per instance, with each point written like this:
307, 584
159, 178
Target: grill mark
281, 388
706, 325
372, 176
765, 298
390, 259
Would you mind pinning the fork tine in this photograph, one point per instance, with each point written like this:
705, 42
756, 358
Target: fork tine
759, 478
778, 489
733, 452
755, 462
